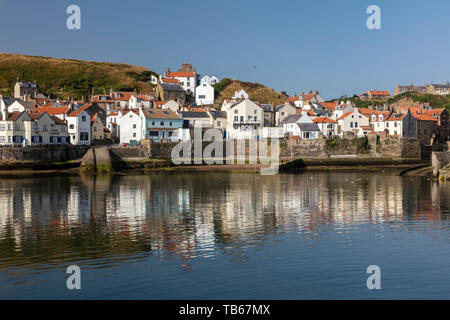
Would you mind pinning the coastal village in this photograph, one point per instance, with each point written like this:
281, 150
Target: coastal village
183, 100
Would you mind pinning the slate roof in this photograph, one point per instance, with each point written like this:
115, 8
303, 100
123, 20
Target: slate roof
267, 107
171, 87
293, 118
190, 114
219, 114
308, 127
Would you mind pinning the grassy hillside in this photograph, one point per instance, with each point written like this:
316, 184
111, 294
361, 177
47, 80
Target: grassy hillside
435, 101
226, 88
71, 78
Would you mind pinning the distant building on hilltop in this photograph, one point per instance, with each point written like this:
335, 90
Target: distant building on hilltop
375, 94
431, 88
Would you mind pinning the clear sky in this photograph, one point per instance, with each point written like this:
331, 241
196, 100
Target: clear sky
295, 45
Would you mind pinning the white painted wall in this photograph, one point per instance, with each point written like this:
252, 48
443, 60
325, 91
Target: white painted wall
204, 94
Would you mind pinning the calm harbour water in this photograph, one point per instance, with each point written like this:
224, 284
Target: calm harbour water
224, 236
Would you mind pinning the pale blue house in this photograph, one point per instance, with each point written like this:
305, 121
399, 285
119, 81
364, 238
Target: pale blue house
161, 125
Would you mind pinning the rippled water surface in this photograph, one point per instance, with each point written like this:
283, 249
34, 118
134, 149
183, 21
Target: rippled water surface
224, 236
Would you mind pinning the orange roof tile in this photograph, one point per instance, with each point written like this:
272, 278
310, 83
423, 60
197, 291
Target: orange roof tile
329, 105
52, 110
169, 80
79, 111
181, 74
424, 117
345, 115
396, 116
324, 120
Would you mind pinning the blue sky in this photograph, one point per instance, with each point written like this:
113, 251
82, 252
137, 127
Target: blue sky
295, 45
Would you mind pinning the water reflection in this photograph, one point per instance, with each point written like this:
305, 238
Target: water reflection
51, 220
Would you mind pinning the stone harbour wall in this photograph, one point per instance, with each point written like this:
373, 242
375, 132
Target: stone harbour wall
43, 153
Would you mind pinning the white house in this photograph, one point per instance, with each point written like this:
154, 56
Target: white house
204, 94
402, 124
244, 119
241, 94
140, 101
351, 121
209, 80
20, 106
378, 119
300, 125
131, 125
187, 76
326, 125
196, 119
171, 105
79, 126
22, 128
111, 124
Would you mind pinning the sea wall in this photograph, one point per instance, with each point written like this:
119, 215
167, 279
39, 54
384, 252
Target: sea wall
372, 146
43, 153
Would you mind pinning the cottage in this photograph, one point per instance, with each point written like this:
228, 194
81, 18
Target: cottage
327, 126
402, 124
196, 119
170, 91
244, 119
97, 129
351, 121
282, 112
187, 77
79, 126
161, 125
204, 94
131, 127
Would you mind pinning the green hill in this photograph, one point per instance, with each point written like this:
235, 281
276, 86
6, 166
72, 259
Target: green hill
66, 78
226, 88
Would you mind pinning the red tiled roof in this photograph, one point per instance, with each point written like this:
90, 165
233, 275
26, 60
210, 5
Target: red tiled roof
365, 111
396, 116
329, 105
345, 115
122, 95
180, 74
169, 80
79, 111
52, 110
424, 117
379, 93
366, 127
98, 100
324, 120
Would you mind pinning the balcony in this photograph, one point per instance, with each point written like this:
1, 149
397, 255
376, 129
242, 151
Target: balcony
240, 122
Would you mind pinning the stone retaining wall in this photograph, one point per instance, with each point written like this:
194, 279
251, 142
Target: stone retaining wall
43, 154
